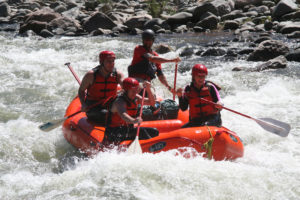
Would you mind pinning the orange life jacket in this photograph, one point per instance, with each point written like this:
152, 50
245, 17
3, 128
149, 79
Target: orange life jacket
102, 87
131, 106
199, 108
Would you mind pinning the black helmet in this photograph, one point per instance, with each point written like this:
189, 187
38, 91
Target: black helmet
148, 34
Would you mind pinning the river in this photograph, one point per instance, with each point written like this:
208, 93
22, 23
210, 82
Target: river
36, 87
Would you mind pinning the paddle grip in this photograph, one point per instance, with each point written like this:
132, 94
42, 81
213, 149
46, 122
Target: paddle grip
73, 72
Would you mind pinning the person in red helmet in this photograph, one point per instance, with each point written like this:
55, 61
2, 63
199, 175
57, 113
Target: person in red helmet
123, 114
98, 85
146, 63
201, 113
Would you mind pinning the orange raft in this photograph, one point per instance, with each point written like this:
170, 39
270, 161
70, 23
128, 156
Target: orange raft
226, 145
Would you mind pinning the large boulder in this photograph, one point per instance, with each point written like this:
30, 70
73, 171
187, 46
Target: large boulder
180, 18
284, 7
98, 20
268, 49
153, 22
43, 15
293, 55
233, 15
276, 63
210, 22
36, 26
4, 9
162, 48
214, 52
217, 7
65, 23
137, 21
241, 3
295, 34
231, 24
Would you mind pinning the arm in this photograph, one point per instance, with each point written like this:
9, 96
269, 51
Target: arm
85, 84
164, 81
160, 60
120, 78
120, 107
216, 97
183, 100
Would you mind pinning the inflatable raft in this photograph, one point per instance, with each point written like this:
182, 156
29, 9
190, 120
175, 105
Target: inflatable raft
225, 144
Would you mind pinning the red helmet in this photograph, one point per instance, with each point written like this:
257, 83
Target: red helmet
106, 54
199, 69
130, 83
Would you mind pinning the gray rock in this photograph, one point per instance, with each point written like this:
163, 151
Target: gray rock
233, 15
179, 18
295, 34
30, 6
217, 7
161, 31
43, 15
209, 22
46, 34
64, 23
101, 31
181, 29
260, 9
162, 48
91, 4
243, 3
135, 31
98, 20
268, 25
288, 27
60, 9
4, 10
198, 29
268, 3
251, 14
231, 24
187, 51
268, 49
214, 52
293, 55
284, 7
275, 63
121, 28
118, 17
261, 39
245, 51
152, 22
137, 21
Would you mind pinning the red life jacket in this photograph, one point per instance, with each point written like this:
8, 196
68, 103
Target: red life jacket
102, 87
199, 108
131, 106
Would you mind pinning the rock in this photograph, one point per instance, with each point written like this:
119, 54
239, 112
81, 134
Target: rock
30, 6
209, 22
187, 51
46, 34
293, 55
259, 20
101, 31
245, 51
267, 50
261, 39
163, 31
276, 63
60, 9
181, 29
214, 52
284, 7
152, 22
137, 21
91, 4
121, 28
65, 23
217, 7
231, 24
295, 34
135, 31
36, 26
260, 9
70, 4
233, 15
198, 29
288, 27
179, 18
98, 20
242, 3
231, 53
268, 25
43, 15
118, 17
268, 3
162, 48
4, 10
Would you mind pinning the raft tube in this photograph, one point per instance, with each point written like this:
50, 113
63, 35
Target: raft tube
87, 136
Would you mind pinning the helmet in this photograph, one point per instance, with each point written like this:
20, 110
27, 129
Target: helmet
130, 83
148, 34
106, 54
199, 69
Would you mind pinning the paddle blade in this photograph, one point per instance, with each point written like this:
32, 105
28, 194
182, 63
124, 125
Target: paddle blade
274, 126
51, 125
135, 147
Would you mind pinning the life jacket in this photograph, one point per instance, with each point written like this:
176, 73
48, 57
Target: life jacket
143, 69
102, 87
200, 109
114, 119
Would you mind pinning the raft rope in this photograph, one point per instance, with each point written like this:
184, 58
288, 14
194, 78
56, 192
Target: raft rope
208, 144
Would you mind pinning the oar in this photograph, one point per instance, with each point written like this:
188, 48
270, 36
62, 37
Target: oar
74, 74
48, 126
175, 78
272, 125
135, 147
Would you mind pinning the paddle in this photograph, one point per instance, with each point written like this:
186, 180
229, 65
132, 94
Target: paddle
272, 125
48, 126
135, 146
74, 74
175, 78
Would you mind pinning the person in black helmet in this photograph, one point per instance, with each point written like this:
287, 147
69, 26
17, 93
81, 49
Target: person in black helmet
146, 63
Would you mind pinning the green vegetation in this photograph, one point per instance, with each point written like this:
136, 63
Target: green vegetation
157, 7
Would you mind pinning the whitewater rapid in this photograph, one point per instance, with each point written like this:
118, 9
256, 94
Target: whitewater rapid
36, 87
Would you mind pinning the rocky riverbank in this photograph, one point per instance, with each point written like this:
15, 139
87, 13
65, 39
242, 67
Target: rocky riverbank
103, 17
